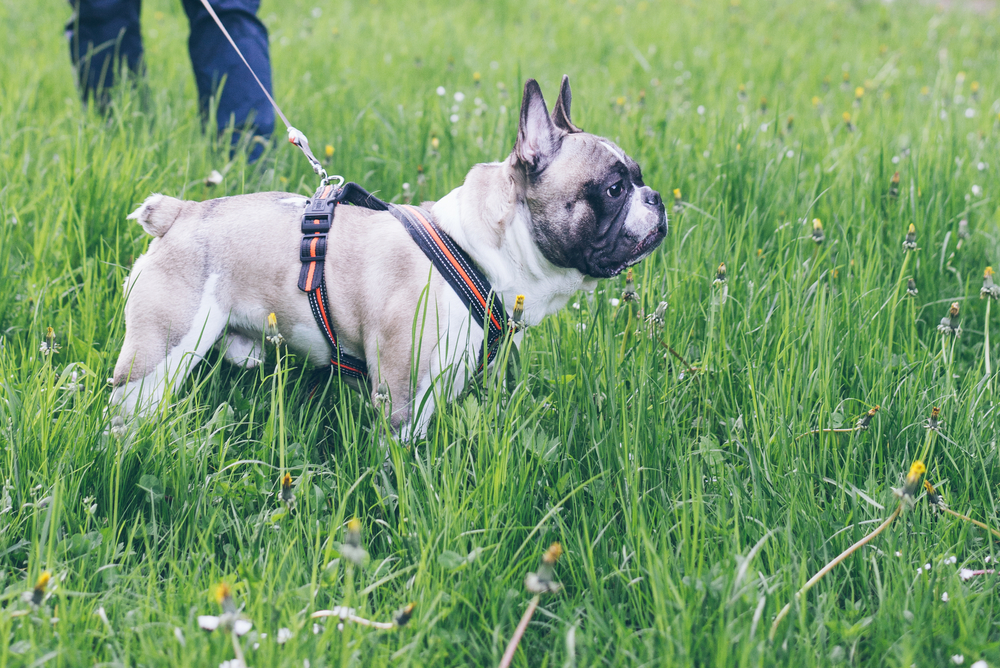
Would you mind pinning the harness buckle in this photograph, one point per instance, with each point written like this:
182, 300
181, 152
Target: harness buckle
316, 223
312, 248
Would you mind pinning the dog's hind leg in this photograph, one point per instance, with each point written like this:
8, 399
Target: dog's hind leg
161, 347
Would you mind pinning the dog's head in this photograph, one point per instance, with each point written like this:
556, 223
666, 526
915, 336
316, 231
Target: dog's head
590, 209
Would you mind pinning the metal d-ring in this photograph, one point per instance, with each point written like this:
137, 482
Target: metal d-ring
326, 179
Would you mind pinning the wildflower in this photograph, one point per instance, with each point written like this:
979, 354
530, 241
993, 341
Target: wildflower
404, 614
37, 595
910, 242
865, 420
815, 100
435, 143
789, 124
933, 423
945, 598
859, 92
847, 121
459, 96
230, 621
817, 233
977, 190
477, 77
911, 287
542, 582
908, 491
957, 659
629, 295
274, 336
517, 317
284, 635
963, 231
213, 179
894, 186
720, 275
989, 289
845, 84
351, 548
948, 324
440, 91
933, 497
49, 345
980, 664
329, 150
658, 317
763, 105
975, 91
741, 93
678, 202
286, 489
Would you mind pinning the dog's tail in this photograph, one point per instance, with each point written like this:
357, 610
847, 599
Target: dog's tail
157, 213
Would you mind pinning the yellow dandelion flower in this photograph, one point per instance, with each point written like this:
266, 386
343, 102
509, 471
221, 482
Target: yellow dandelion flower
859, 92
329, 150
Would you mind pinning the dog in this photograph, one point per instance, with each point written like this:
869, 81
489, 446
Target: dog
564, 209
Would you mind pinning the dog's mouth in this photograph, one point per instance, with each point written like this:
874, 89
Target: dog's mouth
642, 250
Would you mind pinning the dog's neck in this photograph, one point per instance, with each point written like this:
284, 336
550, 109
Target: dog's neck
489, 220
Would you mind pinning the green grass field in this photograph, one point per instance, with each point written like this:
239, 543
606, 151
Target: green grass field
689, 509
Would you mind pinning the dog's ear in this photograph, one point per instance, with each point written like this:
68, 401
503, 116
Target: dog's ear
538, 139
560, 112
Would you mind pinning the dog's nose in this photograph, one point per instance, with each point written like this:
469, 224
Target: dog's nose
651, 197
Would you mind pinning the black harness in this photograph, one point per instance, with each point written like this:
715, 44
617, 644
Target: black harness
454, 264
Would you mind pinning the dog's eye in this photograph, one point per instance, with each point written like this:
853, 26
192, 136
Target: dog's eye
615, 191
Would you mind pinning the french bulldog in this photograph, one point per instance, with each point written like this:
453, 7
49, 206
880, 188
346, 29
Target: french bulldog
564, 209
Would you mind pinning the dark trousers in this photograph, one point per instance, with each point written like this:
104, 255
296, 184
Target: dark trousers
103, 33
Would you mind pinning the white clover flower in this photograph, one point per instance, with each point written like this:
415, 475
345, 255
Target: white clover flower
981, 166
453, 118
701, 110
945, 597
970, 112
895, 159
459, 96
966, 574
441, 91
980, 664
284, 635
957, 659
789, 153
977, 190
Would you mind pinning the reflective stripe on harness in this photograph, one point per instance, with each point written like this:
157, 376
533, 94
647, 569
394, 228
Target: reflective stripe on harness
448, 258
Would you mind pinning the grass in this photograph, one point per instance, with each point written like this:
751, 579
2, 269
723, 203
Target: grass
689, 512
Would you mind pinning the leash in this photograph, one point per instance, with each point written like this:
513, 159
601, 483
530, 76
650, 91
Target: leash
295, 136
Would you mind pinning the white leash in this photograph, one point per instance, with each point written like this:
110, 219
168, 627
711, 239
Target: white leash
294, 136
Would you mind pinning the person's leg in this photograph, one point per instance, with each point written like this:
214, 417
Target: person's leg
102, 35
213, 59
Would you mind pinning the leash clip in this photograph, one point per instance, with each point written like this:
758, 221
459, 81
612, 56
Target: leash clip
297, 138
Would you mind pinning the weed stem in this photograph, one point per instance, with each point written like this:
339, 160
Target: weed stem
830, 566
508, 654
